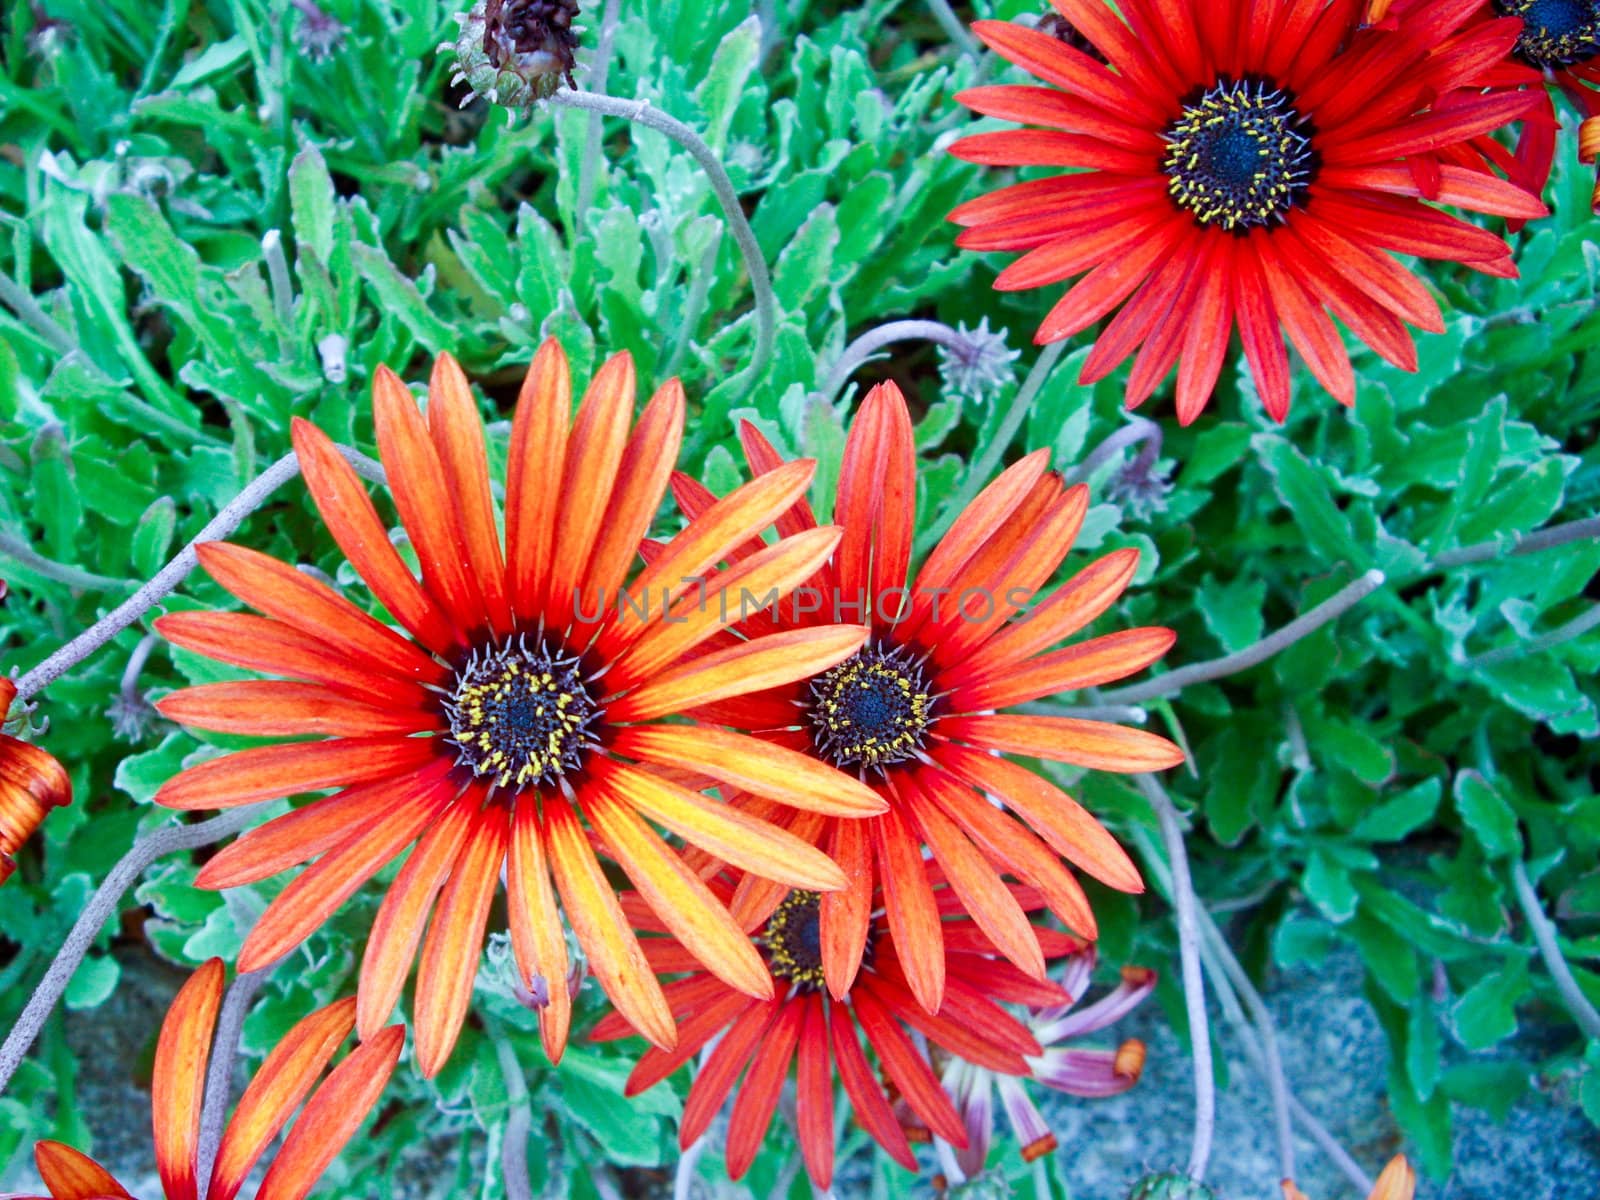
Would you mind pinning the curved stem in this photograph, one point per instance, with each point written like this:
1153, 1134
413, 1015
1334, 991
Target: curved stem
1544, 934
1138, 429
1531, 543
514, 1146
1194, 986
17, 299
1275, 643
170, 576
953, 26
14, 547
640, 113
102, 905
219, 1078
873, 340
1577, 627
978, 475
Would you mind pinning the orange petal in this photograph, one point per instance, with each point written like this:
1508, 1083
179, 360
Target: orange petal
734, 836
814, 1093
262, 644
397, 929
1088, 664
271, 708
70, 1175
752, 666
602, 928
906, 1066
348, 513
178, 1079
333, 1115
457, 433
1069, 608
871, 1106
775, 571
318, 891
284, 1080
455, 940
706, 541
845, 915
676, 894
751, 765
593, 457
647, 464
909, 905
1098, 745
537, 939
721, 1068
533, 477
278, 590
267, 772
428, 508
975, 882
1065, 825
1397, 1182
976, 524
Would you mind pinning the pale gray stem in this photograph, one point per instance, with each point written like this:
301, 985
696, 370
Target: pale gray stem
640, 113
1129, 713
129, 688
1544, 935
590, 166
15, 548
875, 339
514, 1146
1577, 627
170, 576
1272, 1059
1539, 539
955, 29
17, 299
219, 1077
1194, 986
1275, 643
980, 471
278, 276
1138, 429
101, 907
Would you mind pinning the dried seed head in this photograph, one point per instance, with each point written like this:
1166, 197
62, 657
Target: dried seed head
516, 52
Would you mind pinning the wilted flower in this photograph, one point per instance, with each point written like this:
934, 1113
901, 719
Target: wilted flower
32, 782
978, 364
1064, 1068
515, 52
319, 34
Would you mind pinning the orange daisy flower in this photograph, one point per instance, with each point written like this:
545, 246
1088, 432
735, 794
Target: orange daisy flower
331, 1116
1242, 163
527, 700
914, 712
818, 1034
32, 782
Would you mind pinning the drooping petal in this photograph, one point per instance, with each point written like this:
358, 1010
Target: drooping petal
285, 1079
538, 941
719, 1072
908, 900
178, 1079
814, 1093
758, 1097
332, 1116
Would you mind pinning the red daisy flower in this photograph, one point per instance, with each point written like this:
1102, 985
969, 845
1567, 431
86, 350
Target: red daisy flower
1559, 44
331, 1116
914, 712
804, 1026
32, 782
1241, 163
527, 700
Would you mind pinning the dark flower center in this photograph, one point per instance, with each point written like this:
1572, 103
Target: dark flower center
1239, 155
793, 940
1555, 32
872, 709
520, 713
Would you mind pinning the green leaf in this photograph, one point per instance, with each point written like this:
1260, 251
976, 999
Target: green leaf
723, 84
1304, 490
1487, 815
1388, 956
1487, 1012
1329, 888
1495, 1087
152, 536
93, 982
1394, 819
